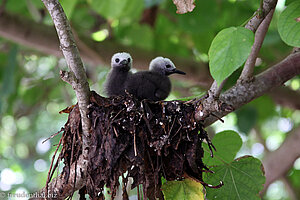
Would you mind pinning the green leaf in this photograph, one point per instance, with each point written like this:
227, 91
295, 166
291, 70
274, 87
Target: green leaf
68, 6
228, 51
227, 143
243, 179
289, 24
186, 189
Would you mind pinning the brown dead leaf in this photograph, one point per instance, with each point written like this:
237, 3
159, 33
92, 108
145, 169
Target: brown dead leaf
184, 6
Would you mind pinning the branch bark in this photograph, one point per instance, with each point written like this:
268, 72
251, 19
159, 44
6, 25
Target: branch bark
76, 77
260, 34
260, 14
242, 93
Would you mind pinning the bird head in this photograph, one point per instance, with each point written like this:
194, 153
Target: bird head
121, 61
164, 66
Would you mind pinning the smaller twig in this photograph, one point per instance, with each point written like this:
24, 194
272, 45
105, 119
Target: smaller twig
247, 73
217, 117
53, 135
116, 132
262, 11
56, 166
50, 169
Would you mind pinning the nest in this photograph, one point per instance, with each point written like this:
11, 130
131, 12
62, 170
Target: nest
142, 140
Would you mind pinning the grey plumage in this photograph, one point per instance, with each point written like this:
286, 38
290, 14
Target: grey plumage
153, 84
115, 80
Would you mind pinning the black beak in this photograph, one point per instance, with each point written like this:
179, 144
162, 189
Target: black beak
176, 71
124, 62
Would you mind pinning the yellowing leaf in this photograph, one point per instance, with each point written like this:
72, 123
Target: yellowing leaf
187, 189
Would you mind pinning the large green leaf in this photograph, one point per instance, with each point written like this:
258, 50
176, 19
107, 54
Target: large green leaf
187, 189
228, 51
227, 143
289, 24
243, 178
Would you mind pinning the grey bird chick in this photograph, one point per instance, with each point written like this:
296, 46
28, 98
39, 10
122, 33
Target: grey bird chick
154, 84
115, 80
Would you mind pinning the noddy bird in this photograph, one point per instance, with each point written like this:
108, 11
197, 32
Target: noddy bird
115, 80
154, 84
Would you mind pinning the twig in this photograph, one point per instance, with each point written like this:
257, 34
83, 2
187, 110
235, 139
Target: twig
77, 72
247, 73
254, 22
53, 157
53, 135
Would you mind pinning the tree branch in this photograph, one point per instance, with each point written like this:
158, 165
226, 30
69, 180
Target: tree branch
242, 93
76, 76
260, 34
267, 9
260, 14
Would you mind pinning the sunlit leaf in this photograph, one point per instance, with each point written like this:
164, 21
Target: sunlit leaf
187, 189
228, 51
289, 24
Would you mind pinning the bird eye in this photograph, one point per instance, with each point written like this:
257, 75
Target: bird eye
168, 66
117, 60
128, 60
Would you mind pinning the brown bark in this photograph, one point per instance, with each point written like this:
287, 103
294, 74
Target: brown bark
243, 93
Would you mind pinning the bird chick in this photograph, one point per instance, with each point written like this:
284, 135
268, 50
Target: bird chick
154, 84
115, 80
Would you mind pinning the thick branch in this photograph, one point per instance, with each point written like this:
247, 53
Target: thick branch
260, 34
287, 153
77, 72
242, 93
